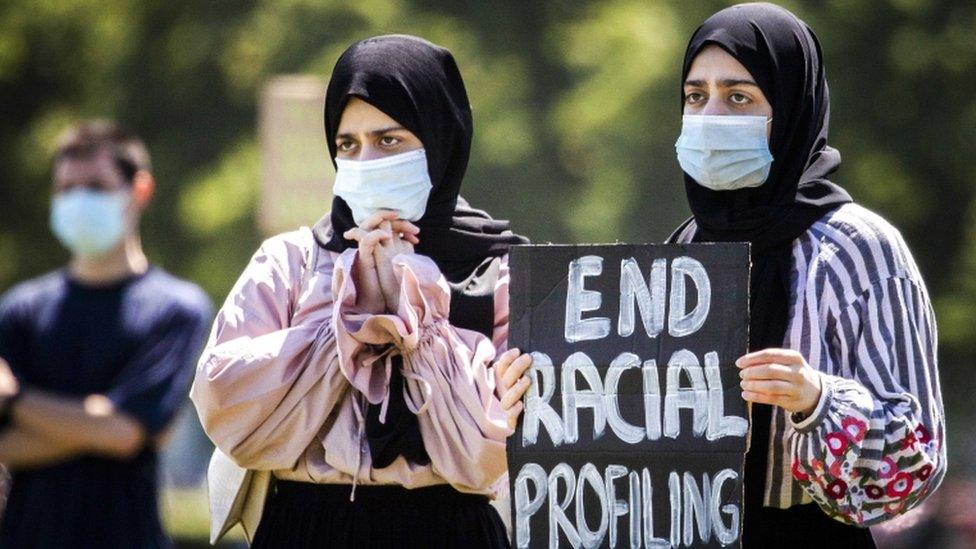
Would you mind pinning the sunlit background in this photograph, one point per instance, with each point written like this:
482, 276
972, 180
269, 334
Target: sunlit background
576, 108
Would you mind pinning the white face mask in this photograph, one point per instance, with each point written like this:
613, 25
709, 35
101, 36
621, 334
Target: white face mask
724, 153
399, 182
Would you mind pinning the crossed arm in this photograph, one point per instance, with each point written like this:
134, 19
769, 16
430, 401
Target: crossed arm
47, 428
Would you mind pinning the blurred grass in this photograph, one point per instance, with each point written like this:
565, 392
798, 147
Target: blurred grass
186, 518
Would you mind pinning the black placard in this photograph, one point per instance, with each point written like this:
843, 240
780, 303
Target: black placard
638, 342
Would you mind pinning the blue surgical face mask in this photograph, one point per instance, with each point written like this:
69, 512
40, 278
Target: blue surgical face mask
724, 153
87, 222
399, 182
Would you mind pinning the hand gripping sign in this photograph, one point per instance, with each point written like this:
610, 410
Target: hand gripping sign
634, 432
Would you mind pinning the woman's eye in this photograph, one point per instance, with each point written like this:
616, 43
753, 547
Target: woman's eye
693, 97
738, 99
346, 146
389, 141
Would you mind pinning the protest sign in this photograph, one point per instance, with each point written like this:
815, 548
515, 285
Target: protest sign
634, 431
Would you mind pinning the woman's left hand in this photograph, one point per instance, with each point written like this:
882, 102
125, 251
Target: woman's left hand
780, 377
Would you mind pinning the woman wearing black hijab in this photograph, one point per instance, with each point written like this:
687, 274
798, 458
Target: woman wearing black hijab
353, 360
842, 378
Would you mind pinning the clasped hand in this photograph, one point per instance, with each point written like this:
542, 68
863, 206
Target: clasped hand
381, 238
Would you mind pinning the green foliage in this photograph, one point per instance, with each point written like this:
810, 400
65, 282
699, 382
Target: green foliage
576, 111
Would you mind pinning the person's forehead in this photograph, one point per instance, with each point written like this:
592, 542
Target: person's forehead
100, 165
714, 63
359, 116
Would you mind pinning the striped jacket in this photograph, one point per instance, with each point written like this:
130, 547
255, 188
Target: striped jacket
860, 314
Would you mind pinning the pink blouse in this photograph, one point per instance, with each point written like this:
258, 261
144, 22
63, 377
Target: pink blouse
283, 382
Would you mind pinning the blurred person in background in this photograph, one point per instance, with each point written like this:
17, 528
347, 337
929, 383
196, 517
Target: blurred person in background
847, 417
355, 359
95, 359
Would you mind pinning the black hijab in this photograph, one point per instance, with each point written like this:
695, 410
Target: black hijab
418, 84
784, 57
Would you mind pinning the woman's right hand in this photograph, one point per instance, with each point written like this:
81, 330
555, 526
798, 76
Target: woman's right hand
511, 382
369, 292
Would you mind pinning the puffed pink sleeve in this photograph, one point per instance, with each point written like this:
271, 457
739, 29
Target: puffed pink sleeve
449, 385
269, 375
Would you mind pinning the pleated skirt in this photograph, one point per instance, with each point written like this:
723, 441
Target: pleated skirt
307, 515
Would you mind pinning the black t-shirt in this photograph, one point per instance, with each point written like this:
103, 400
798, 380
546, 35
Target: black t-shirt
134, 341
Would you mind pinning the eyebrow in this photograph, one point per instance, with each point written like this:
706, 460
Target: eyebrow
373, 133
724, 83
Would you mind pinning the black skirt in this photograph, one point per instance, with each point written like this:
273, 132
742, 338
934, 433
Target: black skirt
307, 515
802, 526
